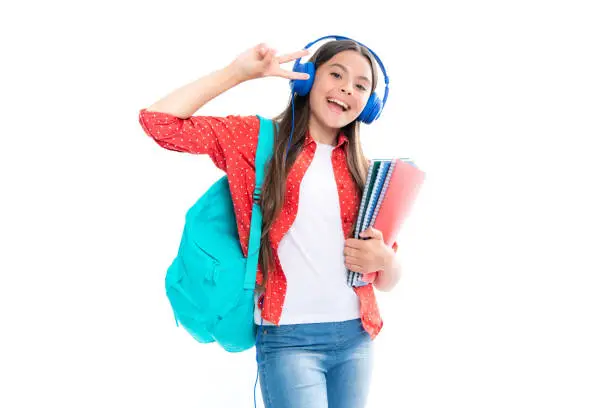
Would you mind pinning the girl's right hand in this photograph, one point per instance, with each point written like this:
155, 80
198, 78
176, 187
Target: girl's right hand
260, 61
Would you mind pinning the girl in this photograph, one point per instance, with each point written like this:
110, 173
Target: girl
315, 343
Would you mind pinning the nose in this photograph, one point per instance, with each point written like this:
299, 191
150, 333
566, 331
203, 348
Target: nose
343, 90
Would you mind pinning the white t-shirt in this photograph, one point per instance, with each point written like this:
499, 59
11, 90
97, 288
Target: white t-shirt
312, 252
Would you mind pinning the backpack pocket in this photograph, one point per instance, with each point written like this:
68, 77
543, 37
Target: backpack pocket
198, 262
189, 303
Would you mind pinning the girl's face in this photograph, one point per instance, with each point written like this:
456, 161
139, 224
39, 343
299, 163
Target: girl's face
341, 89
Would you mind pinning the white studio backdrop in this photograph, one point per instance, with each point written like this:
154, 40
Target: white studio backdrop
505, 301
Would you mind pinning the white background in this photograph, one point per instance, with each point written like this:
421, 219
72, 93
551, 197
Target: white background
505, 301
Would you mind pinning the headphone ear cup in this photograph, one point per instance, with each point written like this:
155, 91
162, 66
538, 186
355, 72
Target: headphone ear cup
303, 86
372, 110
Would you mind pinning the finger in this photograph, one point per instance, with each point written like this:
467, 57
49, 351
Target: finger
376, 235
352, 249
352, 260
353, 243
371, 233
292, 56
354, 267
262, 49
367, 232
291, 74
351, 252
269, 55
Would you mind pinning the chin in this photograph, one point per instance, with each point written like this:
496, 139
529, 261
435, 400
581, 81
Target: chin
336, 121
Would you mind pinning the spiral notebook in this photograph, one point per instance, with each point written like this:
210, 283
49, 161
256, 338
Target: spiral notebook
391, 188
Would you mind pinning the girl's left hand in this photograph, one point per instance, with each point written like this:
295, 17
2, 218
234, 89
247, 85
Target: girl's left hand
367, 256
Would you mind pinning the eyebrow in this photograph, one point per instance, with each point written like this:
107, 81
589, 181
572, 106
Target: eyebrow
345, 70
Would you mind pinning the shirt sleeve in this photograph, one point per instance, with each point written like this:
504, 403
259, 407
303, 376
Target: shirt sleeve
224, 138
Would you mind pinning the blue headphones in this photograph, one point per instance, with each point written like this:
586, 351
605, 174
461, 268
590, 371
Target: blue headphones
373, 107
370, 112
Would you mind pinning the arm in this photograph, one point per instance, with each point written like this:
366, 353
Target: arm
171, 124
227, 140
170, 121
256, 62
186, 100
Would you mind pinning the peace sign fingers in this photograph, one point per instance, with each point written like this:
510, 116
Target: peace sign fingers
276, 70
289, 74
292, 56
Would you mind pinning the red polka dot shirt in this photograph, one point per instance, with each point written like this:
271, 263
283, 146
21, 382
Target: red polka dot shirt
231, 143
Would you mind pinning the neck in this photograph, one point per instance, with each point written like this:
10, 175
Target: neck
322, 133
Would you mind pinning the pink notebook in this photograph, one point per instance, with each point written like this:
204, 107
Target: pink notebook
404, 185
401, 187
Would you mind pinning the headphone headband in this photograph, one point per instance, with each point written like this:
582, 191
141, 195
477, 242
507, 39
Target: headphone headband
339, 37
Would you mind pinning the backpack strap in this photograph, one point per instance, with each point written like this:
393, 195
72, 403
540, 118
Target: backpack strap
265, 143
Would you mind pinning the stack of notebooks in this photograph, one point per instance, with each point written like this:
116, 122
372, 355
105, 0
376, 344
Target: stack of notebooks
389, 193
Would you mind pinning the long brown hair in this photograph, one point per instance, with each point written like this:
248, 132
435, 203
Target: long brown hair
273, 188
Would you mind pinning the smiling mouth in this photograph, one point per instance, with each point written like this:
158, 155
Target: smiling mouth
339, 104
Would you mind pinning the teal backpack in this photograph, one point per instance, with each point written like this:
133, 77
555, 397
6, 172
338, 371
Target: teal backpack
210, 284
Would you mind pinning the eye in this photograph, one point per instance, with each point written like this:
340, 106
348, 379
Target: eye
363, 88
335, 74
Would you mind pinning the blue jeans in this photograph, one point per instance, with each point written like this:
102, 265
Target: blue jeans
315, 365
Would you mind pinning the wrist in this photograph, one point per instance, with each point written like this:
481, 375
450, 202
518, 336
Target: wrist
389, 259
235, 74
388, 277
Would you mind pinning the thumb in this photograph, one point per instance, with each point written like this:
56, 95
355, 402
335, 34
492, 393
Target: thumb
262, 49
371, 232
268, 55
